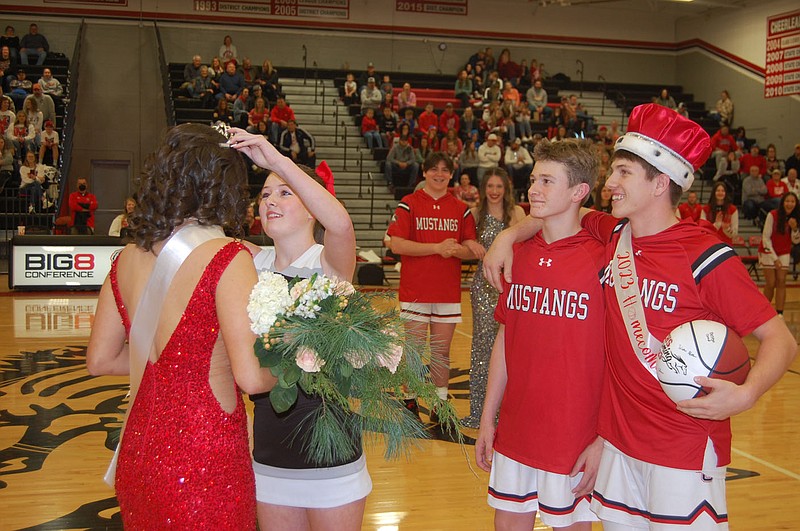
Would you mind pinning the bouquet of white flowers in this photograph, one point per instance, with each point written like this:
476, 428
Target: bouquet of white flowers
323, 336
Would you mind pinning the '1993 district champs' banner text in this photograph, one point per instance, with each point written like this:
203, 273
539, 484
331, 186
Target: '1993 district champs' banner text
286, 8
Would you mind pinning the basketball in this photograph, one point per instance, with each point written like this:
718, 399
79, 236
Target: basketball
700, 348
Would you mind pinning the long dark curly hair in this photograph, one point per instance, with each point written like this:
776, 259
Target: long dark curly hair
190, 176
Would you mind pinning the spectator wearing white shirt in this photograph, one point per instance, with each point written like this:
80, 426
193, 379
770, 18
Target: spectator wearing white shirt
519, 164
792, 182
50, 85
489, 155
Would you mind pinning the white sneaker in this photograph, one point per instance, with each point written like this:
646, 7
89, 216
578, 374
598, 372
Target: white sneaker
30, 208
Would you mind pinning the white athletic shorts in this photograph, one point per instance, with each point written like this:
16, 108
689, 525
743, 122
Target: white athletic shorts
518, 488
431, 312
647, 496
313, 488
765, 260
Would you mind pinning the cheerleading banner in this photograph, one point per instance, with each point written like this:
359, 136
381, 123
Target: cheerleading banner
782, 67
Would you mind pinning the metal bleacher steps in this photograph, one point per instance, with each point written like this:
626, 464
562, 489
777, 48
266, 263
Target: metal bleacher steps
359, 180
369, 203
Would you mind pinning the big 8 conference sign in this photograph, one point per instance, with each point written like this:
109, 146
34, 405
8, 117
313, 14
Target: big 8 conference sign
61, 266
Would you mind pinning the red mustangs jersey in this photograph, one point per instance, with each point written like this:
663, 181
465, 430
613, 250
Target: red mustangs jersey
685, 273
421, 218
553, 312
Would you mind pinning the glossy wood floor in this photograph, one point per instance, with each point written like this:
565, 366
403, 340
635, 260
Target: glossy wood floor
55, 419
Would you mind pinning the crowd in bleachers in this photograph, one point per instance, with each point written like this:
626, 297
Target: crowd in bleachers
31, 115
234, 91
493, 114
498, 110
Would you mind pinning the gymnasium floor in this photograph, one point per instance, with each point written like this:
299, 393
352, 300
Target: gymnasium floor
55, 418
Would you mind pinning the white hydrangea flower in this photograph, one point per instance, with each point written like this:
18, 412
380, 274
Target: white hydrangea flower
307, 293
269, 298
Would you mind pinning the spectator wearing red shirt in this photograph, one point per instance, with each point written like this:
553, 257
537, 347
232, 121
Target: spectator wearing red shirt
279, 117
427, 118
775, 190
449, 120
754, 158
722, 142
691, 208
82, 205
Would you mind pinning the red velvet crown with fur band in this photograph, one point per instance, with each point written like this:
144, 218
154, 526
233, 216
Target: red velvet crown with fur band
673, 144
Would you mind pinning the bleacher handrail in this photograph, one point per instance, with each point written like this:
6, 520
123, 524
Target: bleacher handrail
169, 105
69, 116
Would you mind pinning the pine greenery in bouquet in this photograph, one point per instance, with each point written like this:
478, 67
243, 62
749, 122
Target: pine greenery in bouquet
324, 337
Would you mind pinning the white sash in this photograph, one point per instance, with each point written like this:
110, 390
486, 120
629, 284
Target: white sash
148, 312
629, 298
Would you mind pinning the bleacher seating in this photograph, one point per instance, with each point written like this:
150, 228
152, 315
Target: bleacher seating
438, 97
14, 205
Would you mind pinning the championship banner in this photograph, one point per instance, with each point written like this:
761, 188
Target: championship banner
437, 7
782, 67
283, 8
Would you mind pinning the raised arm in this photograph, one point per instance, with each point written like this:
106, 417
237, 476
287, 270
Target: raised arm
339, 257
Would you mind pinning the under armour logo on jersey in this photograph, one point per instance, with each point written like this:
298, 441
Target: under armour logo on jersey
546, 262
437, 207
638, 253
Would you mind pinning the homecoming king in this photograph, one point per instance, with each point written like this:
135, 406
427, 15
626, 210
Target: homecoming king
663, 467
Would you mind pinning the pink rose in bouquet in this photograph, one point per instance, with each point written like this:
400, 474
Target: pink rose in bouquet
308, 360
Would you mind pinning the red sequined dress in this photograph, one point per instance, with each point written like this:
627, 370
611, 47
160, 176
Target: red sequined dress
185, 462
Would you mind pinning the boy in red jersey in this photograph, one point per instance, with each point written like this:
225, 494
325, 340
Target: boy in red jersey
537, 459
433, 231
663, 467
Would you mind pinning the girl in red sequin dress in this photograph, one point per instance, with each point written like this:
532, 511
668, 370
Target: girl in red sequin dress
184, 459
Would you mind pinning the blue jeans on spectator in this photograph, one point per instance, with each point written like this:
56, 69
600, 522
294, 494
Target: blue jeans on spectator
524, 129
588, 123
21, 148
546, 114
410, 173
373, 139
275, 131
750, 208
25, 53
33, 193
771, 204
